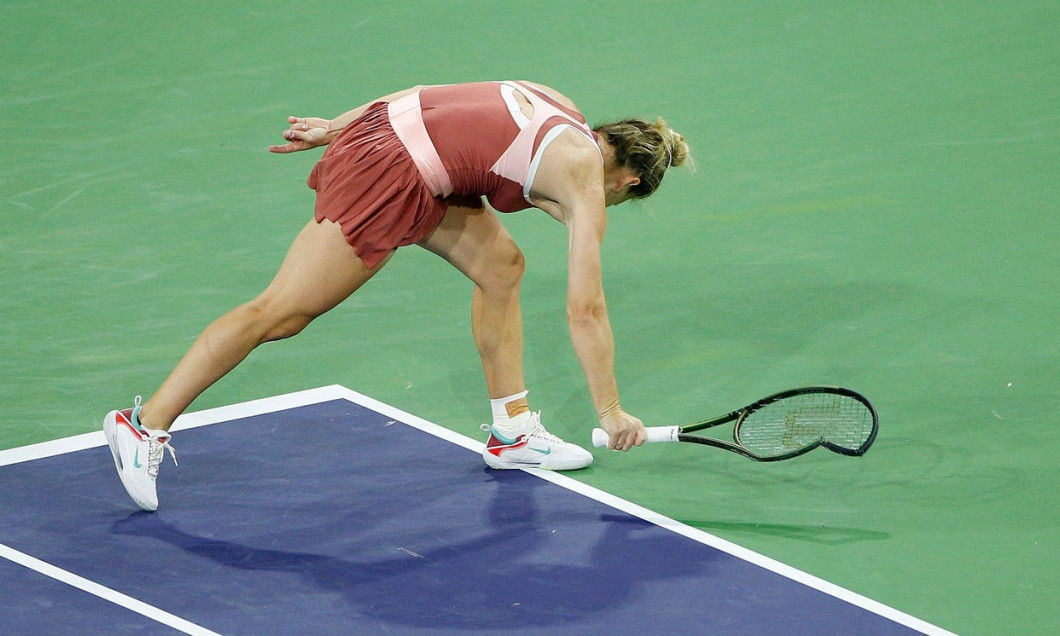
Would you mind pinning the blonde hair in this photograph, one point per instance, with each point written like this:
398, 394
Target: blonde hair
647, 149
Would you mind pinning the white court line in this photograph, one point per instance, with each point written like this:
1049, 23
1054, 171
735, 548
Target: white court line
105, 593
184, 422
333, 392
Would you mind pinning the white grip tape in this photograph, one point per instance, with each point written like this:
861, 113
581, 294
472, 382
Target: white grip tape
655, 434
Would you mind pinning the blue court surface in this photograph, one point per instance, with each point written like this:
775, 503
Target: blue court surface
328, 512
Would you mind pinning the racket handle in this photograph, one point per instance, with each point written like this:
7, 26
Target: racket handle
655, 434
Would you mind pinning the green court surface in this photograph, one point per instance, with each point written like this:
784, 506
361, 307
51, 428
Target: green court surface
875, 207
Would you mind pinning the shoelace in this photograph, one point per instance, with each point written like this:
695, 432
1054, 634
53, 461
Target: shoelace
155, 443
155, 453
538, 430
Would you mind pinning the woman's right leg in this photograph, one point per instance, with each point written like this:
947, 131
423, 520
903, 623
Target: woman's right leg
320, 271
476, 243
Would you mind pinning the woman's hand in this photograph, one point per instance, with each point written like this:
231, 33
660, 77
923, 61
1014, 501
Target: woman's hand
303, 134
624, 430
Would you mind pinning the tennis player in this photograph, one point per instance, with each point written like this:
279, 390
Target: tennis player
416, 167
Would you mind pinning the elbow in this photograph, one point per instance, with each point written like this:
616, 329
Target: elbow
585, 314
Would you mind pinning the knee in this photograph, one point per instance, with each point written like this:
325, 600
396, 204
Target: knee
270, 323
513, 264
504, 269
288, 328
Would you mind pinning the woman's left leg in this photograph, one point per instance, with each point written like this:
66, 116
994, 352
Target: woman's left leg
320, 271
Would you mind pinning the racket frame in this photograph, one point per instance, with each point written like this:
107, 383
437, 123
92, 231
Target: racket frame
684, 433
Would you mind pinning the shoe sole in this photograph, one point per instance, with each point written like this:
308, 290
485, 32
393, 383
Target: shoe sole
497, 463
110, 431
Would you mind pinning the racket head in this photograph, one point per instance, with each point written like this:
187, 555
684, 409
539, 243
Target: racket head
797, 421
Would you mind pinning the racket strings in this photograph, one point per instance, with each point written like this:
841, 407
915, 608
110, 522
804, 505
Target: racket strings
804, 420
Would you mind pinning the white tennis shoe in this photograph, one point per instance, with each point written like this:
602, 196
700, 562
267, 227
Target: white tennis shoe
138, 453
536, 449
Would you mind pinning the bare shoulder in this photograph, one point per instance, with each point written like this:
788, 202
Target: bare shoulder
554, 94
573, 146
570, 169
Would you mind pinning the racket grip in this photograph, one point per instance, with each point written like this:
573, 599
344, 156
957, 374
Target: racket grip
655, 434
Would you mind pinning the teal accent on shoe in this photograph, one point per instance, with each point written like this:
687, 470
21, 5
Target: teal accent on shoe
503, 439
136, 413
136, 418
136, 460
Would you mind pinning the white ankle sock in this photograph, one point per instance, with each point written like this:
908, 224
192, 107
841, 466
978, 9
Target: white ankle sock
505, 425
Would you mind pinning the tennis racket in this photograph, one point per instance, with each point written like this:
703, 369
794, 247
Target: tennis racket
785, 425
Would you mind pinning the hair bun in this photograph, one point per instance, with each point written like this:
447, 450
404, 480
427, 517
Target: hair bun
676, 146
648, 149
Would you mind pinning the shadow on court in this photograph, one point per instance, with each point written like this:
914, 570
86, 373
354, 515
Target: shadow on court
505, 576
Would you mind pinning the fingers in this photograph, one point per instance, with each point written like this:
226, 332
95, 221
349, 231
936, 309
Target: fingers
304, 133
299, 129
625, 442
307, 123
295, 142
286, 148
295, 136
298, 123
626, 433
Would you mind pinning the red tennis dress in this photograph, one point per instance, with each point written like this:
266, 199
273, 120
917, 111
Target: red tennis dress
389, 176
